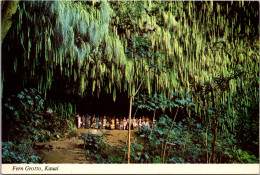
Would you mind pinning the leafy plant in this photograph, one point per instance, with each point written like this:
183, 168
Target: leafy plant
115, 159
26, 118
244, 157
95, 146
92, 142
175, 143
24, 115
21, 153
59, 127
177, 100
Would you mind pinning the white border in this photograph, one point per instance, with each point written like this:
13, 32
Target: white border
132, 169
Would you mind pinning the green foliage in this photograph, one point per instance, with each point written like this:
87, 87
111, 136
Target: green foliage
79, 26
64, 109
167, 134
185, 144
21, 153
147, 62
58, 126
98, 150
92, 141
167, 34
159, 101
25, 115
26, 119
115, 158
141, 50
166, 37
187, 140
148, 147
95, 146
247, 112
157, 159
244, 157
209, 48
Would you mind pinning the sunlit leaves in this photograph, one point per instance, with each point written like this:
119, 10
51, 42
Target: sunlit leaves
171, 45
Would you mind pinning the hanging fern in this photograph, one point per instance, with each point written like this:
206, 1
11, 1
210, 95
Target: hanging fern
88, 45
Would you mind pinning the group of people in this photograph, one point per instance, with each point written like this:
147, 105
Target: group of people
103, 122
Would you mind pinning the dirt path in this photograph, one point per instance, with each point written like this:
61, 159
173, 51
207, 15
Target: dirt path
71, 150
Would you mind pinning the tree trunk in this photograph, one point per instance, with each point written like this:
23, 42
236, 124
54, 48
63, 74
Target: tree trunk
129, 129
184, 146
214, 141
136, 110
165, 144
8, 9
153, 120
207, 144
130, 110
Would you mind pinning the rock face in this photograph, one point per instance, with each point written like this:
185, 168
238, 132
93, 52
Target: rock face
8, 9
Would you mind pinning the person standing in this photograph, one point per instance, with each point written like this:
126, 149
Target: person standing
83, 122
137, 122
100, 122
104, 122
112, 126
140, 122
143, 121
97, 122
128, 124
131, 124
147, 124
94, 120
134, 123
117, 123
108, 123
87, 120
79, 121
125, 123
121, 124
147, 119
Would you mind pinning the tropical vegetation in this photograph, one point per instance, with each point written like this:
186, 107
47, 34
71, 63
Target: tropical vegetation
194, 66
